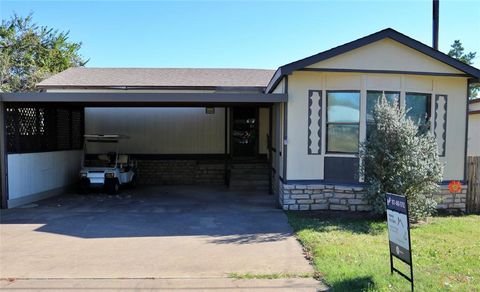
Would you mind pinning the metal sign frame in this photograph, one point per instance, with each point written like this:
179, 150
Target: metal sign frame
398, 205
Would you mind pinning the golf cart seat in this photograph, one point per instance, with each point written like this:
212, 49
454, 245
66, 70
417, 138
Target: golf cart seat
123, 159
103, 157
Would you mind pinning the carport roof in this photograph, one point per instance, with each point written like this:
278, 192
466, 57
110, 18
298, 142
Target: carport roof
144, 99
81, 77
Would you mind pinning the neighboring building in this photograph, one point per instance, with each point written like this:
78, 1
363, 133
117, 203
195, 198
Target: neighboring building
474, 127
295, 131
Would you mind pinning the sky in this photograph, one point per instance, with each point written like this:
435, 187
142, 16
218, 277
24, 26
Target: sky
240, 34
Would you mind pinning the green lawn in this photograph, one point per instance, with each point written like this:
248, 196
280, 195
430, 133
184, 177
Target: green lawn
352, 254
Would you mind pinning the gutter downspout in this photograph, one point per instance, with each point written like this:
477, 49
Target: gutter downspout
465, 166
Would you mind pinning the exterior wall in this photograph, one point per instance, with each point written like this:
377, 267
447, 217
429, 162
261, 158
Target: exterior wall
323, 197
184, 172
452, 202
33, 176
278, 118
160, 130
304, 166
275, 133
263, 114
386, 54
316, 197
281, 150
280, 87
168, 130
474, 130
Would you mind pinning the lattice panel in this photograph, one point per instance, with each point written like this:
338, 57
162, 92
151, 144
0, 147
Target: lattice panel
10, 128
28, 121
43, 128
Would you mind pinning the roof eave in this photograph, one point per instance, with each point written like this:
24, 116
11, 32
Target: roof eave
130, 87
276, 78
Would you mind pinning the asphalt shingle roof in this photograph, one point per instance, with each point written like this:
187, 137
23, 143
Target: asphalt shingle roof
157, 77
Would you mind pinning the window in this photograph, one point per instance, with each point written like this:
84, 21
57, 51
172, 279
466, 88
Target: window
418, 107
372, 98
343, 118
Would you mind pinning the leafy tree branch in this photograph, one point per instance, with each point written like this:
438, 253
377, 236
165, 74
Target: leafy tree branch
30, 53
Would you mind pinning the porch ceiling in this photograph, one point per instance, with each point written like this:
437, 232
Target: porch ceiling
144, 99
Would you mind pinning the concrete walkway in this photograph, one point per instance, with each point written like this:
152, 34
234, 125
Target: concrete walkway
156, 232
205, 284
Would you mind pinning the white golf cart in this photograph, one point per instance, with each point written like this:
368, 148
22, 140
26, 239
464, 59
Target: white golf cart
109, 169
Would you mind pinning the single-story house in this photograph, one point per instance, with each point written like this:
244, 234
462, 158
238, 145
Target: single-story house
294, 132
474, 127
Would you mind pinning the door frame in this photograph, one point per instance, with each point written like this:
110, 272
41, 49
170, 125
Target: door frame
257, 129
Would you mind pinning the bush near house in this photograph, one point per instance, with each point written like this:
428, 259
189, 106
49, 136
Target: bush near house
400, 156
353, 254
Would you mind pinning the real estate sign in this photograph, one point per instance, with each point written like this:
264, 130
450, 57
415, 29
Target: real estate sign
398, 227
399, 232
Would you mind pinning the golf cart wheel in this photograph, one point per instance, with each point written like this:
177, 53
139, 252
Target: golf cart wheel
133, 183
84, 186
114, 187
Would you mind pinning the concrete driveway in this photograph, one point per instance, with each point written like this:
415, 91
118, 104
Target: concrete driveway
150, 232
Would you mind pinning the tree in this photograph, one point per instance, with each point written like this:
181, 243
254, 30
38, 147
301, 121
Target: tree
402, 158
30, 53
457, 52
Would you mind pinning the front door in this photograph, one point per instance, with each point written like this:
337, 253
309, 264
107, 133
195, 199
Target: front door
244, 132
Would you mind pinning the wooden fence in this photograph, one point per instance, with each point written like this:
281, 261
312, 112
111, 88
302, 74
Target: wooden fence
473, 192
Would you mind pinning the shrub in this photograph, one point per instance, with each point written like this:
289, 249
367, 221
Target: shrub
402, 158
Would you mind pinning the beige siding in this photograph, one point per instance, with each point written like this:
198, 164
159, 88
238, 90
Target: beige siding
281, 134
280, 87
456, 89
278, 130
302, 166
474, 131
263, 114
274, 136
385, 54
161, 130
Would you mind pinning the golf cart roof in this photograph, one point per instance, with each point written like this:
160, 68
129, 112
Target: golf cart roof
104, 138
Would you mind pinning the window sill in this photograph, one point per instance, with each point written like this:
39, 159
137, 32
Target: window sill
340, 154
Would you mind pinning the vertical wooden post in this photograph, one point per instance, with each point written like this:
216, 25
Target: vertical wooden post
3, 158
225, 158
269, 143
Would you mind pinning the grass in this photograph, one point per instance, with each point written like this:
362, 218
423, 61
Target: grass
352, 254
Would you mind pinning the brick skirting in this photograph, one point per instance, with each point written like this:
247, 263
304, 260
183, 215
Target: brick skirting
184, 172
349, 198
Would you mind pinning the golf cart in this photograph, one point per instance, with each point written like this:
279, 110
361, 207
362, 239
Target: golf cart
109, 169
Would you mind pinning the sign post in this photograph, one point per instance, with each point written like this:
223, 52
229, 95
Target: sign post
399, 233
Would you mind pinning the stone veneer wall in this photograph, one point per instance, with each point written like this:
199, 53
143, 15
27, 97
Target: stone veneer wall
452, 202
349, 198
184, 172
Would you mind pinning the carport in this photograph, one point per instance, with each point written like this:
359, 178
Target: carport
54, 122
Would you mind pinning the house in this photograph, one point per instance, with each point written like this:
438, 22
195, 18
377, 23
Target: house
294, 132
474, 127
